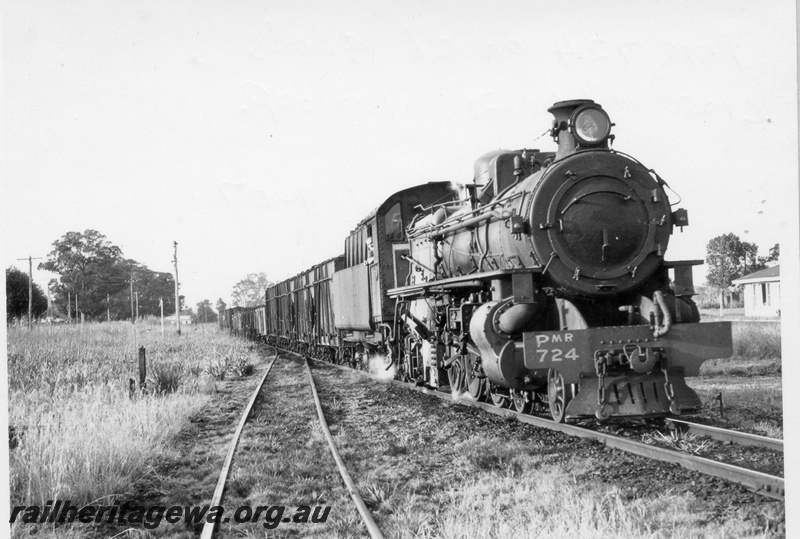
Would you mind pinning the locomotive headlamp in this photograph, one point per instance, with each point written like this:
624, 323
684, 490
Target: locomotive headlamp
590, 125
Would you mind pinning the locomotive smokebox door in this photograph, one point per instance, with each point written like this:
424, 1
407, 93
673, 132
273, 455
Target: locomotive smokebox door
602, 222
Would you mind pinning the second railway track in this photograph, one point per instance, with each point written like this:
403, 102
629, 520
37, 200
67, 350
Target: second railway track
279, 442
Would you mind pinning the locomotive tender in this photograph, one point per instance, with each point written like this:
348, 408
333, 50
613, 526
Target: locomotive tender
543, 280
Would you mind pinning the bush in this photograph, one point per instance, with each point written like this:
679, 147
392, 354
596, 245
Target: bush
243, 367
166, 377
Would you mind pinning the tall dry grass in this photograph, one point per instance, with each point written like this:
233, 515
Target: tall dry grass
509, 490
755, 340
80, 435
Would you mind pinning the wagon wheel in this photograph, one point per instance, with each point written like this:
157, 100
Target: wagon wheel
522, 401
557, 395
499, 396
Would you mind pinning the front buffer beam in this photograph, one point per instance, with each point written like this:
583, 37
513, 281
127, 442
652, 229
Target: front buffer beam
625, 370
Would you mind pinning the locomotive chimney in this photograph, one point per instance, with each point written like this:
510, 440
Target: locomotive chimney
562, 111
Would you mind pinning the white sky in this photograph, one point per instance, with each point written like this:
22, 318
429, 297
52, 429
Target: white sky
256, 134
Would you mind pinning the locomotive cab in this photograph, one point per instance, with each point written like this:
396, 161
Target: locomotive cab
376, 260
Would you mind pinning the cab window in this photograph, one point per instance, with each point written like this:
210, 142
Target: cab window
394, 224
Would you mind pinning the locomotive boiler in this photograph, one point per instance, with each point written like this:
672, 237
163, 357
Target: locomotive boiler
547, 282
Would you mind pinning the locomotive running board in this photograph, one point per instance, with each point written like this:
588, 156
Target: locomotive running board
473, 280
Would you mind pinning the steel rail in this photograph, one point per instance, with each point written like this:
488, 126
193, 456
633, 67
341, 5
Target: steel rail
725, 435
366, 516
209, 527
758, 482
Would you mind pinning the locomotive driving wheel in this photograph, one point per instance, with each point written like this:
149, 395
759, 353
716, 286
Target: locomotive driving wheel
499, 396
557, 395
521, 401
456, 376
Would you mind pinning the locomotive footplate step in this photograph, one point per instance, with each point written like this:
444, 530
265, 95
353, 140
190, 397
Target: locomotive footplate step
632, 396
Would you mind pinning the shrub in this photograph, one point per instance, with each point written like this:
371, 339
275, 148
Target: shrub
218, 369
166, 377
243, 367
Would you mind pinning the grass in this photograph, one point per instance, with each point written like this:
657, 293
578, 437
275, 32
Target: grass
756, 352
757, 341
754, 404
749, 382
80, 432
555, 505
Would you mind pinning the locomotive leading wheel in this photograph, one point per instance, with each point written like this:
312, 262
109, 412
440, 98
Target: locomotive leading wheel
557, 395
476, 386
522, 401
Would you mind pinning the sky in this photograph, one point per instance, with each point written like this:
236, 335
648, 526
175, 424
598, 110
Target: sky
257, 134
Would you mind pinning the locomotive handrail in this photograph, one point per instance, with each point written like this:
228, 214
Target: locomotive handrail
461, 279
483, 211
462, 224
429, 210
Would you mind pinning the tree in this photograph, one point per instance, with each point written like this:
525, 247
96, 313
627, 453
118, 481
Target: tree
221, 305
205, 313
93, 268
729, 258
773, 257
17, 296
251, 291
85, 262
152, 287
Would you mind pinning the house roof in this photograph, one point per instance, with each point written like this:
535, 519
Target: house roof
769, 274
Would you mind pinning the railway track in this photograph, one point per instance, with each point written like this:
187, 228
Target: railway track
210, 528
758, 482
726, 435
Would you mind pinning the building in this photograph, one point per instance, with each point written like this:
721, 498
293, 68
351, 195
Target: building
762, 292
186, 318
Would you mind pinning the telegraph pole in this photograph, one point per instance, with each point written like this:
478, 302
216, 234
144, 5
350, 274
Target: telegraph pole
133, 320
108, 307
30, 288
137, 305
177, 295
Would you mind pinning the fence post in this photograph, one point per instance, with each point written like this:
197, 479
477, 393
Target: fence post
142, 367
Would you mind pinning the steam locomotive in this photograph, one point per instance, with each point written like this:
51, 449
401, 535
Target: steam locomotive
542, 281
